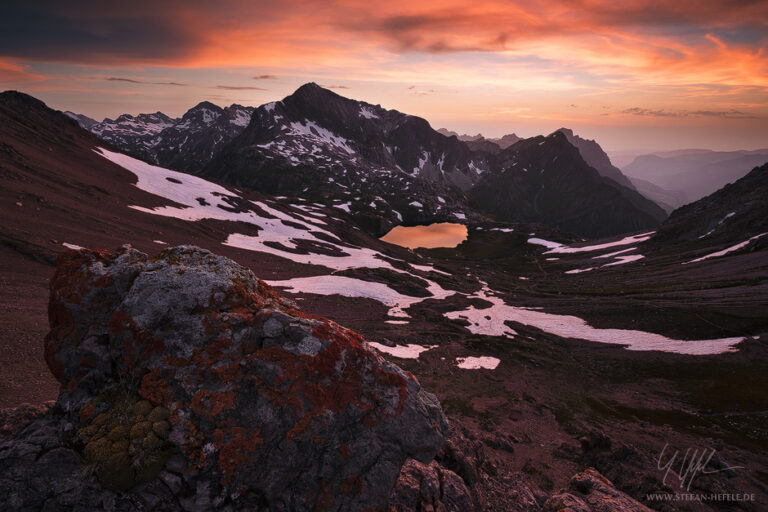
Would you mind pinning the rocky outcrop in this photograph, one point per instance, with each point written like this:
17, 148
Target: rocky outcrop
601, 495
189, 384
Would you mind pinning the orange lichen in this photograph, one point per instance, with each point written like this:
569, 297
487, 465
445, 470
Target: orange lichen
210, 404
238, 451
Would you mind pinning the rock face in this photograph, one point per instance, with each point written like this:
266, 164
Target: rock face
546, 180
391, 168
185, 144
188, 384
594, 155
600, 494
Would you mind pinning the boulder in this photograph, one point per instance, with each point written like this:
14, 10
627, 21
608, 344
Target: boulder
189, 384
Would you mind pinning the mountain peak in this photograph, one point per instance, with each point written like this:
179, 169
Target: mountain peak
312, 91
15, 99
207, 105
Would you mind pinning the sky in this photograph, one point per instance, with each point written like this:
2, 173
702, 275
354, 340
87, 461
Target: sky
634, 74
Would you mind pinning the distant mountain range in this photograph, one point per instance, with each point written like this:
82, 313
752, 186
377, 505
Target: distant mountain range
388, 167
181, 143
690, 174
479, 142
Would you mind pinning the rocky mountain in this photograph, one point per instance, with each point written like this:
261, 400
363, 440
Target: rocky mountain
383, 163
463, 138
546, 180
394, 166
135, 134
549, 355
386, 167
506, 141
479, 142
695, 173
84, 121
186, 144
192, 141
594, 155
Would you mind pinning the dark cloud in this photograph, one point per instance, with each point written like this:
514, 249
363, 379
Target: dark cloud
334, 86
265, 77
133, 81
89, 31
238, 88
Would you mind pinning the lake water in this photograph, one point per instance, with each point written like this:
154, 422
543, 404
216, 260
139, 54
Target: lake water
443, 234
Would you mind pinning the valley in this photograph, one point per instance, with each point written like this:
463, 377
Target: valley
570, 323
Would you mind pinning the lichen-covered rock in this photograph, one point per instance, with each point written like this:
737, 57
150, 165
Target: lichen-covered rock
565, 502
187, 370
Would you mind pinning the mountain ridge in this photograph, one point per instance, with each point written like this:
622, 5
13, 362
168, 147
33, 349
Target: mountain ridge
389, 167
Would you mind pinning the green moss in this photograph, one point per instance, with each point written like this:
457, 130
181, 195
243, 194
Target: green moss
123, 446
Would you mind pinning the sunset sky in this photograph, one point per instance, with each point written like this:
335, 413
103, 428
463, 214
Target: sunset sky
632, 74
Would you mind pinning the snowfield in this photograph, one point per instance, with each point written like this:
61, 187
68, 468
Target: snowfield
280, 233
490, 321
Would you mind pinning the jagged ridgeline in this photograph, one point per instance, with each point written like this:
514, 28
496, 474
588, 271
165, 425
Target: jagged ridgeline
391, 168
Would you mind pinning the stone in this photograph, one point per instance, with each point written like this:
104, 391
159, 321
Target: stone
601, 495
263, 407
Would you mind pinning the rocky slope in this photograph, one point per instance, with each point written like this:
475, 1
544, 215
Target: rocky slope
84, 121
733, 215
189, 384
544, 179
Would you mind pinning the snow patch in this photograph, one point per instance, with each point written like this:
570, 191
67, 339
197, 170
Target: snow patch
351, 287
556, 248
368, 113
490, 321
411, 351
727, 250
477, 363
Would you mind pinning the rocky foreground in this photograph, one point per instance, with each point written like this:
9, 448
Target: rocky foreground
188, 384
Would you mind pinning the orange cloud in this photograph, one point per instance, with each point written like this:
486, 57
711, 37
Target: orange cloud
13, 73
